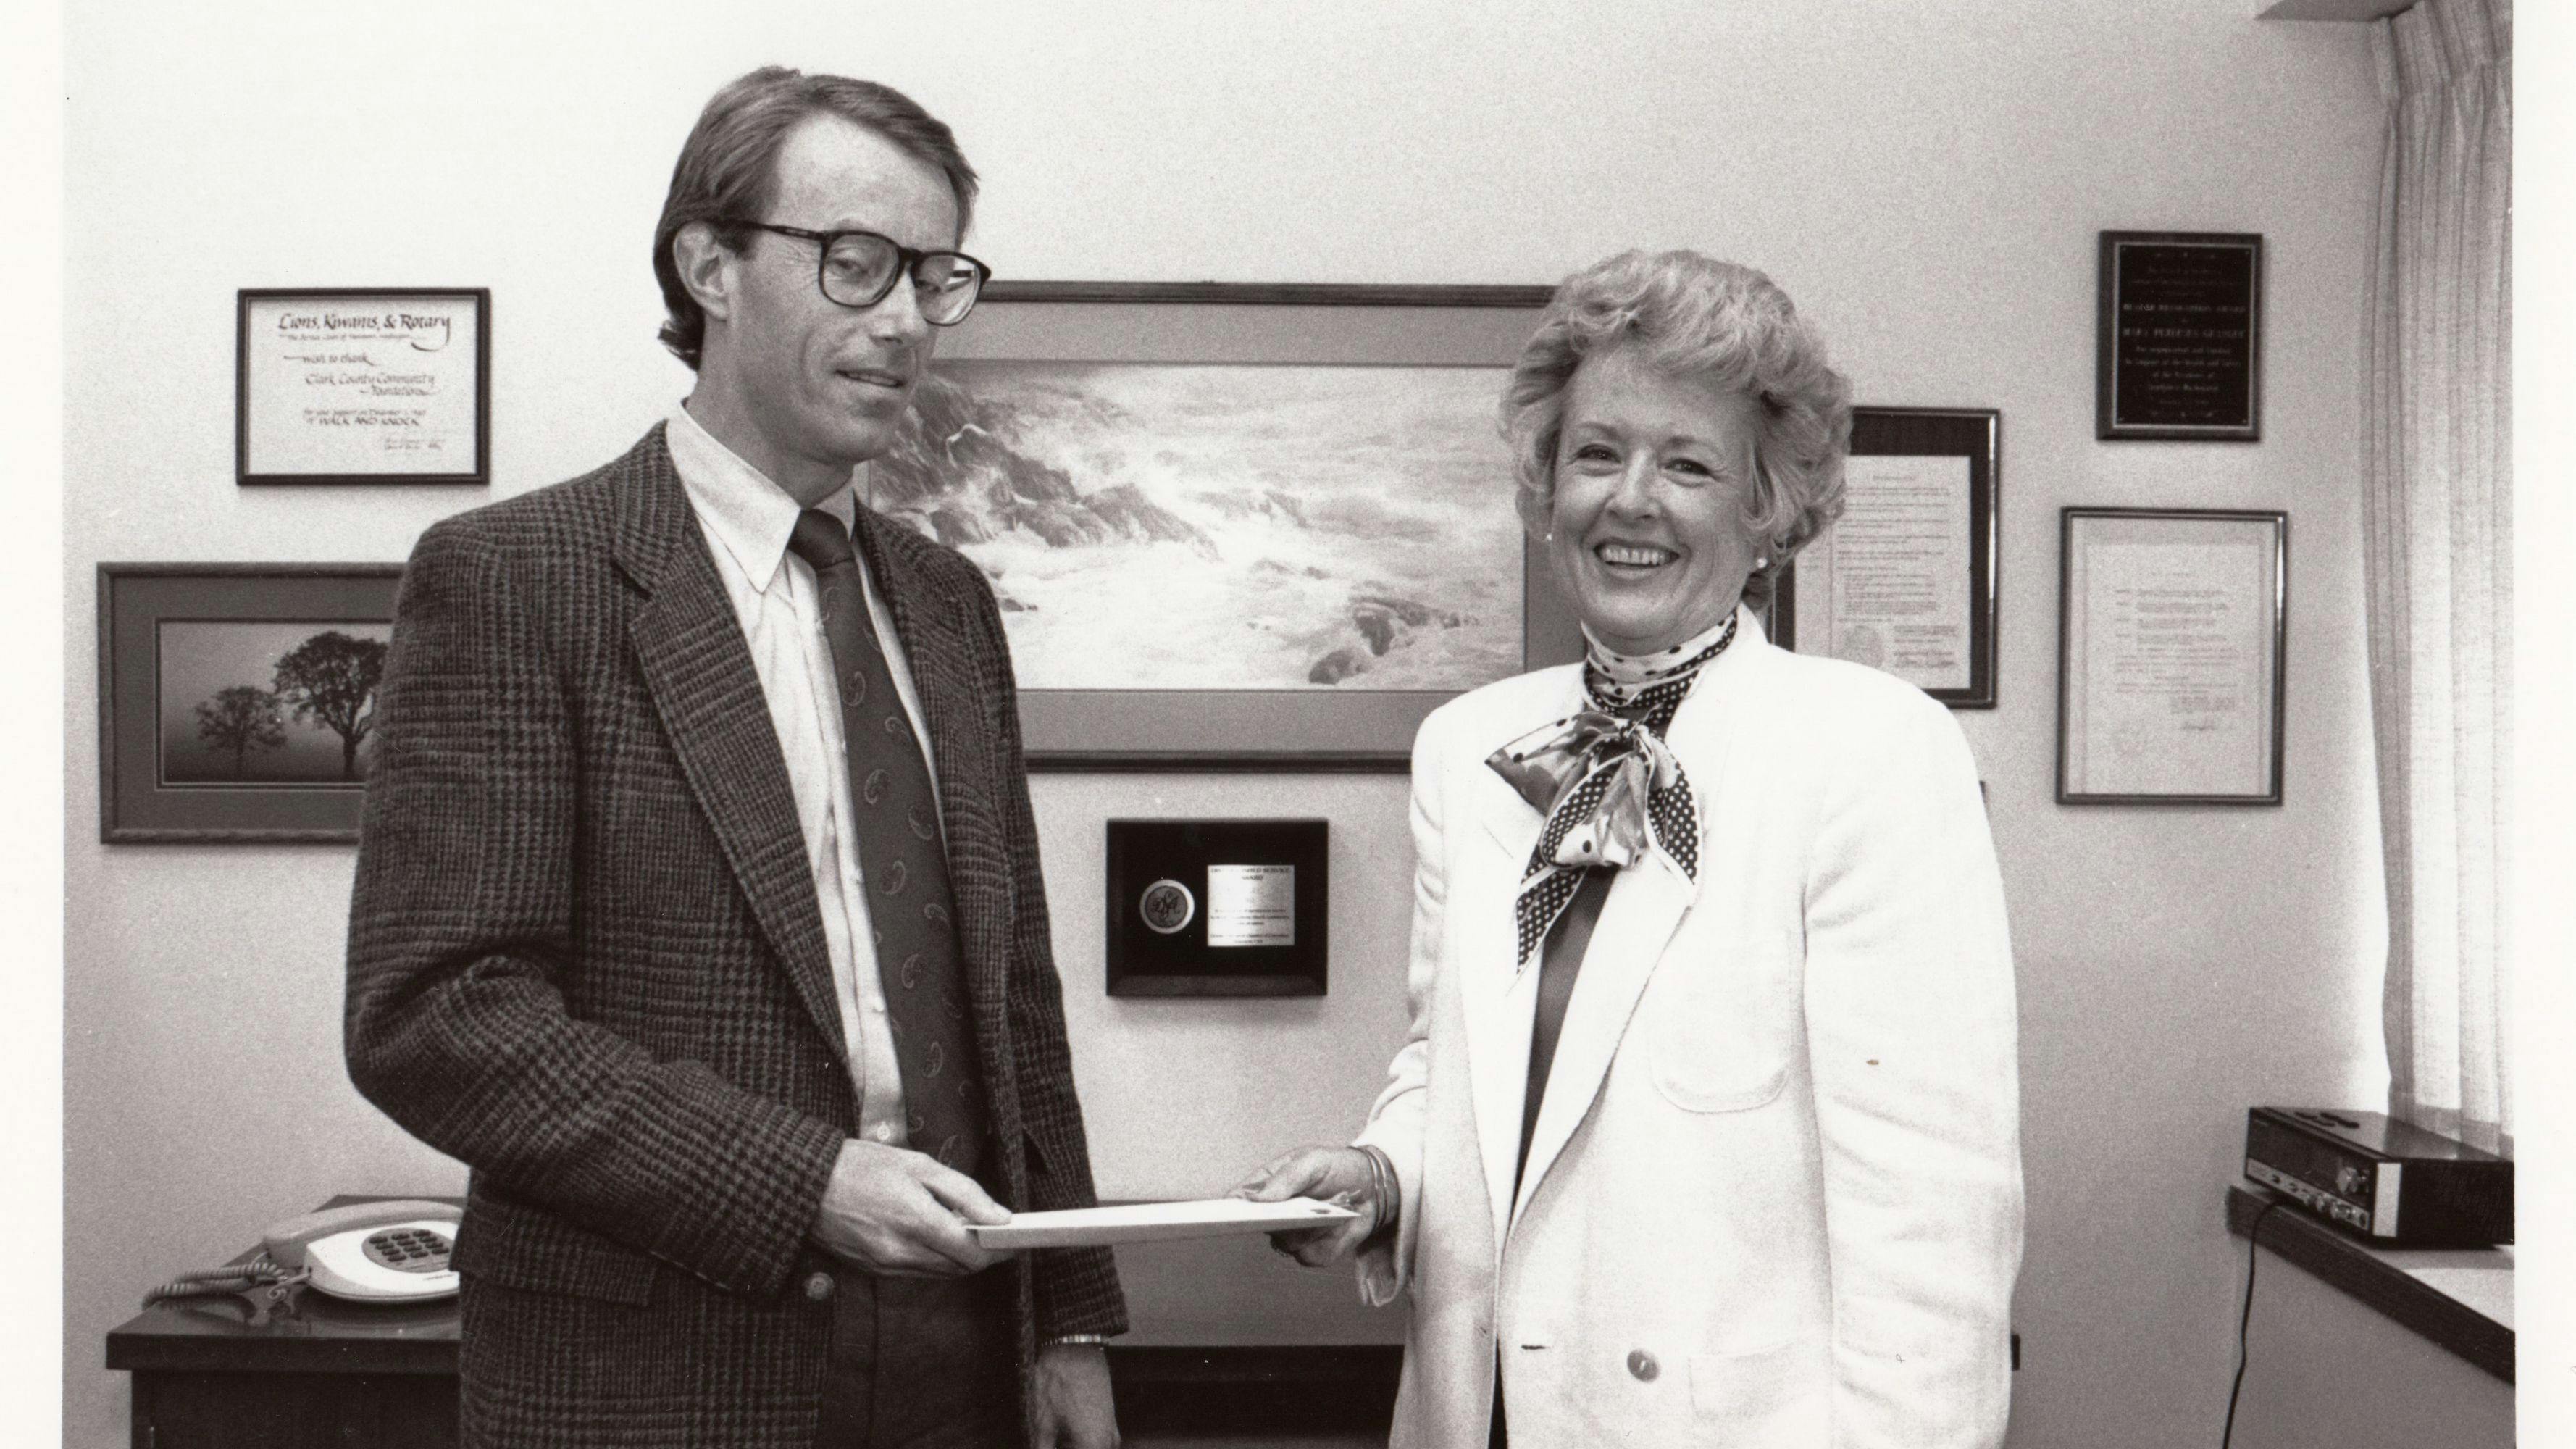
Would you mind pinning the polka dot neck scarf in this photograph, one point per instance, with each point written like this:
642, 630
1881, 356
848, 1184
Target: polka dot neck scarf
1610, 788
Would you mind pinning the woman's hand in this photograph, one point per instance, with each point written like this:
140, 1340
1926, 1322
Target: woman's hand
1343, 1175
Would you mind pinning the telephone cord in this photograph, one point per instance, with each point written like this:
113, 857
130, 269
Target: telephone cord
233, 1279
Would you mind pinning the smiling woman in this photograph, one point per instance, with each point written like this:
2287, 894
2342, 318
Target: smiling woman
1784, 1206
1692, 380
1650, 524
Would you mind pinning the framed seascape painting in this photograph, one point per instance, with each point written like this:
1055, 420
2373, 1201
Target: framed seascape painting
235, 700
1234, 527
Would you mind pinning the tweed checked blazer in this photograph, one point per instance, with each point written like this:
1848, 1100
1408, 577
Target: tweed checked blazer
585, 957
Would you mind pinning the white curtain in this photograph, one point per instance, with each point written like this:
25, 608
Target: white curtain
2438, 528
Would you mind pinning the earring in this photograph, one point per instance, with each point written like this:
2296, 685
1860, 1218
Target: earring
1761, 562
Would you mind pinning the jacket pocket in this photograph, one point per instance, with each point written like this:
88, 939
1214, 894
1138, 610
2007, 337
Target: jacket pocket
528, 1248
1720, 1033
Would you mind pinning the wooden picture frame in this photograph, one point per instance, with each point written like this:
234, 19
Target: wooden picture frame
273, 664
362, 385
1091, 340
1907, 580
2173, 635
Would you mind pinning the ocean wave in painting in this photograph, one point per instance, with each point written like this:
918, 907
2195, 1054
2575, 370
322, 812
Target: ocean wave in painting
1224, 527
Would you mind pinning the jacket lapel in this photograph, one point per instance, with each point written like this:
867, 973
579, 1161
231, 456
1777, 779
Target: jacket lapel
708, 695
1497, 998
1643, 910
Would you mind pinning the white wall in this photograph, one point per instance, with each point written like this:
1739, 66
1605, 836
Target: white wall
1926, 179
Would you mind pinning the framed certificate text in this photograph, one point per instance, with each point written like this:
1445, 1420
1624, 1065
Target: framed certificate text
346, 385
1904, 581
2171, 631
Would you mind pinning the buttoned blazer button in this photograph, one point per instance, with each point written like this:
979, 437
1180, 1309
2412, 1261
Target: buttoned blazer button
819, 1287
1643, 1365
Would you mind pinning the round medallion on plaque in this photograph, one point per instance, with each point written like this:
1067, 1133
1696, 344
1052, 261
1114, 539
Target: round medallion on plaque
1167, 907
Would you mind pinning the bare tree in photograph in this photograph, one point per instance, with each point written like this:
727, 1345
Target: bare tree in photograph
331, 680
241, 718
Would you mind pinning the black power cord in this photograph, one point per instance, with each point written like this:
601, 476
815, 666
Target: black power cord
2253, 1255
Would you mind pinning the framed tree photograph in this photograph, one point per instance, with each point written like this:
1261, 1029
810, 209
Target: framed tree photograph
1905, 580
363, 385
2172, 632
235, 701
1234, 527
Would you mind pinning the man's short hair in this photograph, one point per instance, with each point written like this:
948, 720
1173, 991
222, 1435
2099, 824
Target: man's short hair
728, 170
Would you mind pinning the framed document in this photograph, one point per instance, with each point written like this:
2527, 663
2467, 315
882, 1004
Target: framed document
2171, 631
1905, 580
236, 702
348, 385
2178, 343
1234, 527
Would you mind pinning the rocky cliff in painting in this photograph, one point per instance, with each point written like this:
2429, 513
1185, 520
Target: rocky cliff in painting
1173, 527
956, 474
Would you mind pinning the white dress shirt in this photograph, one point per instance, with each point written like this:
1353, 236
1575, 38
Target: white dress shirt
747, 519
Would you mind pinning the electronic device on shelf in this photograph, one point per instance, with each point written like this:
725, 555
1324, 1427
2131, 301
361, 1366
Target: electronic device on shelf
2397, 1184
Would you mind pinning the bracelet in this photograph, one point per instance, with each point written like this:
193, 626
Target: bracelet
1078, 1340
1384, 1194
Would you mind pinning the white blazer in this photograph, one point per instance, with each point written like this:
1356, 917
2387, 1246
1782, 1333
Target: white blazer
1774, 1194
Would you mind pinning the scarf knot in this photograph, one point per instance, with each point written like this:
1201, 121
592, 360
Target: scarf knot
1611, 790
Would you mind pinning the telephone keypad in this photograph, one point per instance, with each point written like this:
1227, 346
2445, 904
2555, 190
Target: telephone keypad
408, 1250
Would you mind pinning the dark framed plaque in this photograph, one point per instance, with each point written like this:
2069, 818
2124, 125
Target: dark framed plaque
1905, 580
1217, 907
2179, 339
236, 701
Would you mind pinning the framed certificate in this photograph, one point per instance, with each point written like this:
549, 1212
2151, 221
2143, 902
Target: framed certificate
1905, 580
2178, 343
2170, 676
351, 385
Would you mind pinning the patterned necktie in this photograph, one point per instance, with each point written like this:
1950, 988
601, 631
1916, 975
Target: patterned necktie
893, 819
1610, 788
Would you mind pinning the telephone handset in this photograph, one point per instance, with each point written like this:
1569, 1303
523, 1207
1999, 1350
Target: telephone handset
372, 1252
375, 1252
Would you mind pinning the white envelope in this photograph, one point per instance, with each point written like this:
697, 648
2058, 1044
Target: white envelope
1147, 1222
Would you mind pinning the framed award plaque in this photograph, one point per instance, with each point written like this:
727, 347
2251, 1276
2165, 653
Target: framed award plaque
1217, 907
2179, 340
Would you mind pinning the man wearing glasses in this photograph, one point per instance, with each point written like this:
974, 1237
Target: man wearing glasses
698, 908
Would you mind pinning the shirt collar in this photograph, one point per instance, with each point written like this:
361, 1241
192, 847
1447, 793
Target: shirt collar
747, 515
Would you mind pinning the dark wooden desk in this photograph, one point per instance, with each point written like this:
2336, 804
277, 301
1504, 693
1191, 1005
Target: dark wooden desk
1227, 1336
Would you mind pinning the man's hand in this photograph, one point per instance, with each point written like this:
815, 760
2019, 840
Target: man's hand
1074, 1410
1331, 1174
892, 1211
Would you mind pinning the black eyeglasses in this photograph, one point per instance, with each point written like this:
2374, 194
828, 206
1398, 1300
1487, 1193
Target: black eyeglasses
858, 268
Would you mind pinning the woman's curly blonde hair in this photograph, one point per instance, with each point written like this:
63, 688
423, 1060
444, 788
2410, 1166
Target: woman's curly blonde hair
1695, 317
